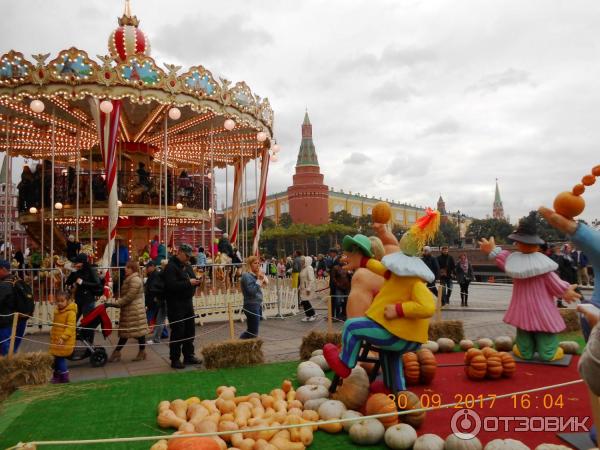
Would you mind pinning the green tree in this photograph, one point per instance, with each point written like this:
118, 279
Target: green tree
544, 229
446, 235
364, 225
484, 228
285, 220
343, 217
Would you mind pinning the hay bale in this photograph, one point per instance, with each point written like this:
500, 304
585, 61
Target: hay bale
452, 329
24, 369
315, 340
571, 319
235, 353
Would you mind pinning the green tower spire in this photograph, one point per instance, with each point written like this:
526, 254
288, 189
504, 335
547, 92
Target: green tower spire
307, 155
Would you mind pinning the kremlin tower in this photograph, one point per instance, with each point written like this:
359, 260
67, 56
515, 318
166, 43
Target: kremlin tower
498, 210
308, 196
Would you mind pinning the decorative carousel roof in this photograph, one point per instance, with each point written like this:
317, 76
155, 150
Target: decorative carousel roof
71, 84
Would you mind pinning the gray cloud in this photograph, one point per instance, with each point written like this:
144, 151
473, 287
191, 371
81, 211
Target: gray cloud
392, 57
444, 127
390, 91
494, 82
357, 158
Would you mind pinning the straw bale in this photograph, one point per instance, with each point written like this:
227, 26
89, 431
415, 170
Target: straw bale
24, 369
571, 319
233, 353
315, 340
452, 329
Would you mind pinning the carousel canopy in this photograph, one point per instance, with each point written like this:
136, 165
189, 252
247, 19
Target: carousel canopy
72, 87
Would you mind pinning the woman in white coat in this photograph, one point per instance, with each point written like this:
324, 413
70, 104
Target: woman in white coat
307, 286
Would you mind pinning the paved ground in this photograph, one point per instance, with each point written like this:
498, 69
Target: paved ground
282, 337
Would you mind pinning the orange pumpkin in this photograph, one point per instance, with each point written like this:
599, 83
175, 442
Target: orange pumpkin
382, 213
596, 171
193, 443
470, 354
494, 367
508, 364
382, 404
428, 365
588, 180
411, 368
477, 367
570, 204
488, 351
408, 400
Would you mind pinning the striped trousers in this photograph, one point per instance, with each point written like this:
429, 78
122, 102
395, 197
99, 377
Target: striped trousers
362, 329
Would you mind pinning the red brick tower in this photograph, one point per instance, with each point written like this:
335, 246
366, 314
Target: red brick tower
308, 196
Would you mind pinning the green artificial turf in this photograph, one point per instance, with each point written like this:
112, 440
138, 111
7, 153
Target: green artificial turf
125, 407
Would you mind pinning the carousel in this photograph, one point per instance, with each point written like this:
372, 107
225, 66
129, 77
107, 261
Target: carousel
119, 148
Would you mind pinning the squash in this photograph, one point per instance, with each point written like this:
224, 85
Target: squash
429, 442
367, 432
206, 426
163, 444
428, 365
470, 354
382, 404
331, 409
286, 386
431, 345
227, 425
381, 212
317, 352
400, 437
311, 392
354, 390
320, 361
163, 406
506, 444
332, 428
193, 443
347, 415
477, 368
192, 400
412, 371
261, 444
552, 447
488, 351
453, 442
570, 204
485, 342
446, 345
466, 344
569, 347
179, 407
308, 369
494, 367
319, 381
508, 364
168, 419
407, 400
187, 427
282, 441
315, 403
311, 416
503, 343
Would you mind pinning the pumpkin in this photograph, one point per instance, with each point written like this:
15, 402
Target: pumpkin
331, 409
179, 407
311, 392
412, 372
431, 345
428, 365
551, 447
319, 381
320, 361
588, 180
193, 443
347, 415
381, 212
596, 171
367, 432
485, 342
160, 445
429, 442
354, 389
308, 369
503, 343
317, 352
400, 437
494, 367
477, 367
446, 345
569, 347
407, 400
508, 364
382, 404
466, 344
570, 204
470, 353
315, 403
168, 419
488, 351
506, 444
453, 442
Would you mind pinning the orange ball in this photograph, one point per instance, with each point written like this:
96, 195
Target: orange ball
596, 171
382, 213
578, 189
588, 180
568, 204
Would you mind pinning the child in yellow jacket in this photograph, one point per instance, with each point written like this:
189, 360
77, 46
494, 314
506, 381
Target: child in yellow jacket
62, 336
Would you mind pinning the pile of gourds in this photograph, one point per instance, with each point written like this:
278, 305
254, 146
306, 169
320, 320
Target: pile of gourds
419, 367
488, 363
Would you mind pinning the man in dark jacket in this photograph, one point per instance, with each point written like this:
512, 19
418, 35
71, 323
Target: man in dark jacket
86, 284
433, 265
154, 295
180, 284
7, 306
447, 266
224, 245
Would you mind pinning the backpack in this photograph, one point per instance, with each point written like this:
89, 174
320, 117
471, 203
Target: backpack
98, 290
23, 296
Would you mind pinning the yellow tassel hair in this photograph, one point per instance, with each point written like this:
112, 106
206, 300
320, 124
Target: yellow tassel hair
420, 233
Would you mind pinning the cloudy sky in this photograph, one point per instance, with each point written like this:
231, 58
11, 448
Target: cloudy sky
409, 99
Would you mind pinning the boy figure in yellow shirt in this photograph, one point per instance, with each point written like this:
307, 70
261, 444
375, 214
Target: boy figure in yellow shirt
398, 319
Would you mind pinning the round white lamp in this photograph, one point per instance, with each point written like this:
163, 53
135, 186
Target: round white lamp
106, 106
229, 124
174, 113
33, 210
37, 106
58, 205
179, 206
261, 136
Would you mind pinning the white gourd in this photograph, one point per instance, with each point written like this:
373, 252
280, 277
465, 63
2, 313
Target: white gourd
331, 409
485, 342
314, 404
453, 442
466, 344
319, 381
311, 392
446, 344
400, 437
506, 444
320, 361
551, 447
317, 352
367, 432
569, 347
429, 442
431, 345
308, 369
348, 414
503, 343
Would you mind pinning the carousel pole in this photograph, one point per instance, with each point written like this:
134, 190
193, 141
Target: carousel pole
42, 210
166, 149
52, 192
226, 199
160, 191
212, 201
90, 179
202, 171
77, 170
6, 197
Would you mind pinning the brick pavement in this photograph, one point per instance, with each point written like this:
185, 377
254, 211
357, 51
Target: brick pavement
282, 337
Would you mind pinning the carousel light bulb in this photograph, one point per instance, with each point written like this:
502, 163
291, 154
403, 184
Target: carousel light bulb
37, 106
229, 124
174, 113
261, 136
33, 210
106, 106
179, 206
210, 211
209, 175
276, 149
58, 205
274, 158
119, 203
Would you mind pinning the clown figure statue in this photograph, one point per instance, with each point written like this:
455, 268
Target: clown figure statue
532, 308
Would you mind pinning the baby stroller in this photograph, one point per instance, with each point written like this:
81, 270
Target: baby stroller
85, 334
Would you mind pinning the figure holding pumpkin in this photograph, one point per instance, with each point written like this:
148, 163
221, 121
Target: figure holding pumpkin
398, 319
532, 308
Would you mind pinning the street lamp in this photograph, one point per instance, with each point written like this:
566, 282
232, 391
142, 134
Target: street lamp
459, 220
